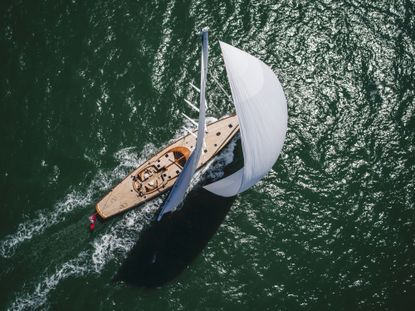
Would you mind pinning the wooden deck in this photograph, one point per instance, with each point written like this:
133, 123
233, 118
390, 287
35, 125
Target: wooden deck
159, 173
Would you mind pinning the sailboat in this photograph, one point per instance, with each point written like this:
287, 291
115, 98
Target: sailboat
261, 118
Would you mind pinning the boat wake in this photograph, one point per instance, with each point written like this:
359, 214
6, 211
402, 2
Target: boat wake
73, 201
111, 244
39, 296
42, 221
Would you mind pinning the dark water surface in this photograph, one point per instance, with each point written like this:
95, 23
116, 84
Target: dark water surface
89, 89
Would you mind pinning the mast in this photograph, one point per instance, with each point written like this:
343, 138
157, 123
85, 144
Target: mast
180, 187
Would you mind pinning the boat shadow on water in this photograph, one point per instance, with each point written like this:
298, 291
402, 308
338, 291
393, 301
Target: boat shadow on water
167, 247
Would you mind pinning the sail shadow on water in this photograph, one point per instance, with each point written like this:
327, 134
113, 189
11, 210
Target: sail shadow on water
168, 246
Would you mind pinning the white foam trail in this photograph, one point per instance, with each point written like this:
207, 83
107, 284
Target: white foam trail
122, 236
112, 245
118, 239
214, 169
75, 200
39, 296
43, 220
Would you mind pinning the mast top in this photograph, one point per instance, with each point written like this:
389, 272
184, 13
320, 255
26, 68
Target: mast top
204, 30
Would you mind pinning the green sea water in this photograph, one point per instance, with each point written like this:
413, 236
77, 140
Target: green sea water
90, 89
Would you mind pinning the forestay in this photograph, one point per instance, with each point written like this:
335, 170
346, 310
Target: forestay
178, 191
261, 108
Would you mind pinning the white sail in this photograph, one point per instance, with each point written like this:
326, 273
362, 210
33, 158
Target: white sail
261, 108
178, 191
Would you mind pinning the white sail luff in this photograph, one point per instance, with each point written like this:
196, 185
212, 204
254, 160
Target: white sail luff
261, 108
181, 185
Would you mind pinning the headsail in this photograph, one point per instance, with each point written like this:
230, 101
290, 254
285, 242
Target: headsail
261, 108
177, 194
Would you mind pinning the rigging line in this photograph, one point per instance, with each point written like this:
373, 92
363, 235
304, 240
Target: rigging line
193, 121
198, 90
191, 105
190, 119
189, 131
194, 86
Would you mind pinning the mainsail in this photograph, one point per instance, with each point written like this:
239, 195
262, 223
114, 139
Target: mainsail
261, 108
178, 191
